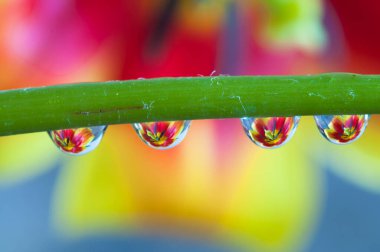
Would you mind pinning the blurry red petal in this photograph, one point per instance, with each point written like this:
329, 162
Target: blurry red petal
279, 123
161, 127
260, 126
338, 125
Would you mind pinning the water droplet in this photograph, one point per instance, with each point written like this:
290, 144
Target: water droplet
270, 132
341, 129
162, 135
77, 141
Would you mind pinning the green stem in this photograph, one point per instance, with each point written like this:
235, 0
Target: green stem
89, 104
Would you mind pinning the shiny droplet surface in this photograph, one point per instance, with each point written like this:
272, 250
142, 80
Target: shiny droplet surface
77, 141
341, 129
270, 132
162, 135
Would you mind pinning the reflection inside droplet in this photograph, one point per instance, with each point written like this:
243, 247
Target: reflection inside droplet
341, 129
270, 132
162, 135
77, 141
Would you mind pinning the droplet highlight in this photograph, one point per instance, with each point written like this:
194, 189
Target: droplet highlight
162, 135
77, 141
341, 129
270, 132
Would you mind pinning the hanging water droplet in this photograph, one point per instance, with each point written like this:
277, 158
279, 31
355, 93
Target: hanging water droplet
77, 141
270, 132
341, 129
162, 135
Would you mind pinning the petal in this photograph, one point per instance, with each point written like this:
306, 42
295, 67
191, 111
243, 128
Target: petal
280, 123
334, 135
162, 127
348, 121
82, 137
358, 162
276, 197
93, 198
258, 137
174, 129
24, 156
258, 125
270, 123
288, 125
274, 204
337, 125
355, 121
147, 127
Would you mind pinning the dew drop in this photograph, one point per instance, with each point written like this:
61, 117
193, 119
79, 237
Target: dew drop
270, 132
162, 135
77, 141
341, 129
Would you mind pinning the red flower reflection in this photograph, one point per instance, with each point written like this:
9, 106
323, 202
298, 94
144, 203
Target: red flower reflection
345, 128
162, 134
73, 140
271, 131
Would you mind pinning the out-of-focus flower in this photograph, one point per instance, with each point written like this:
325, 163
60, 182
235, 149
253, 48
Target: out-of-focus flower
223, 187
292, 24
218, 189
361, 40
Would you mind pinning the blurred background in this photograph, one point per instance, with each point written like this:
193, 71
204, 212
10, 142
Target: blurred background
216, 191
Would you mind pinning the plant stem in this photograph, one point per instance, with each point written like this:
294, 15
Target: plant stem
89, 104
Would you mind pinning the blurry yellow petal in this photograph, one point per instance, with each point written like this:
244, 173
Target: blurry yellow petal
261, 198
276, 198
358, 162
23, 156
176, 187
201, 16
93, 191
294, 24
